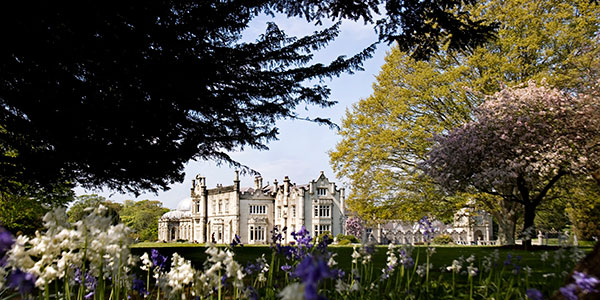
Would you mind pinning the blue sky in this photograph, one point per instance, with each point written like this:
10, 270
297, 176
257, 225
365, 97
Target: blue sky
301, 151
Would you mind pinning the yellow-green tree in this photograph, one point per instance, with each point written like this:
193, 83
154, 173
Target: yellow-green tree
142, 217
387, 134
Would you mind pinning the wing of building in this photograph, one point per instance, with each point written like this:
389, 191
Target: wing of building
218, 214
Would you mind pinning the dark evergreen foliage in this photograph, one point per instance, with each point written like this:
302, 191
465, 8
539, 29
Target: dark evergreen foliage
123, 94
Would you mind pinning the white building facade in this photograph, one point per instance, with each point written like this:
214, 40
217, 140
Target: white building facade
470, 227
218, 214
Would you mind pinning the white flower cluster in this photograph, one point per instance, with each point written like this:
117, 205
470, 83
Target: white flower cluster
181, 274
455, 267
219, 263
92, 243
392, 260
146, 262
355, 255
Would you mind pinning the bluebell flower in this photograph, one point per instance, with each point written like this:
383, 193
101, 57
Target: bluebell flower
276, 237
534, 294
311, 270
140, 286
508, 260
21, 281
251, 293
427, 228
303, 238
158, 260
288, 251
6, 241
286, 268
322, 246
585, 282
569, 291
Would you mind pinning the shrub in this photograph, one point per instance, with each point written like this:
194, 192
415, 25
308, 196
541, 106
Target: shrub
322, 236
346, 239
443, 239
344, 242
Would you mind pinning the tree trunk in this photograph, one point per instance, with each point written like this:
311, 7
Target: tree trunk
528, 228
506, 217
506, 231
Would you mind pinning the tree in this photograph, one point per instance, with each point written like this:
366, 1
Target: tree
385, 136
142, 217
123, 95
584, 211
80, 208
21, 213
523, 141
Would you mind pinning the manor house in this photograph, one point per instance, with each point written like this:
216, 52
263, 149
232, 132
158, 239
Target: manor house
218, 214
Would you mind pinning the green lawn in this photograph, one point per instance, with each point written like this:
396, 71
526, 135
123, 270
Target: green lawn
443, 256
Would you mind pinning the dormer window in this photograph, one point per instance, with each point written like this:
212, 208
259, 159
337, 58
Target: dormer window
321, 191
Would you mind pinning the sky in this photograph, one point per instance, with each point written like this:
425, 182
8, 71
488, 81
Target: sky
301, 149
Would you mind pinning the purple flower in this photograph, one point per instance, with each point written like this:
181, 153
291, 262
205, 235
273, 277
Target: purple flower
286, 268
24, 282
569, 291
508, 260
158, 259
140, 286
585, 282
6, 241
534, 294
369, 249
427, 228
311, 270
251, 293
288, 251
276, 237
322, 246
303, 238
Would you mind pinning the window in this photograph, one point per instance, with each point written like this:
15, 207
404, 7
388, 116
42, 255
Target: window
322, 191
293, 211
321, 229
214, 207
198, 207
227, 206
258, 209
220, 206
257, 233
322, 210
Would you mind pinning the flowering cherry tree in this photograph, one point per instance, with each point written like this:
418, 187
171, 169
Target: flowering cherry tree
523, 140
354, 226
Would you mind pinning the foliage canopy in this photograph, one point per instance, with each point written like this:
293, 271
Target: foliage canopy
123, 95
386, 135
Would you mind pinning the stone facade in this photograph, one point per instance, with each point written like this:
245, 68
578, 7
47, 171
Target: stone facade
218, 214
468, 228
